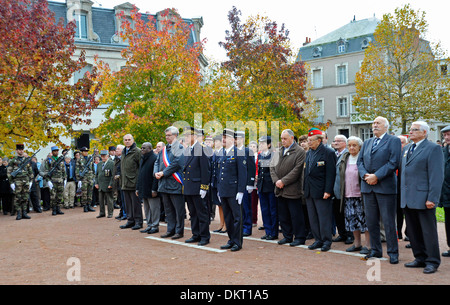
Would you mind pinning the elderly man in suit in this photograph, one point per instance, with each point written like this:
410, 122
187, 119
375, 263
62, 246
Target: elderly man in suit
320, 174
422, 174
168, 170
377, 164
196, 185
104, 184
286, 171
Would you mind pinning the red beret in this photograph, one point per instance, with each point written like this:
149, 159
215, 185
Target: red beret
314, 132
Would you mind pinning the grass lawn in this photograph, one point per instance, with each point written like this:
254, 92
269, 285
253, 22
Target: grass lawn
440, 214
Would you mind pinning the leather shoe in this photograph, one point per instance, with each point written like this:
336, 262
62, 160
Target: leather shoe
284, 241
415, 264
315, 245
270, 237
127, 225
177, 236
191, 240
235, 248
296, 242
168, 234
136, 227
227, 246
429, 269
446, 253
393, 258
325, 248
153, 230
203, 242
372, 255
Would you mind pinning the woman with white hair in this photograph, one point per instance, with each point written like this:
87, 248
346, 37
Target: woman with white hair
350, 195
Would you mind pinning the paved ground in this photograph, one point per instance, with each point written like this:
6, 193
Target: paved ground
77, 248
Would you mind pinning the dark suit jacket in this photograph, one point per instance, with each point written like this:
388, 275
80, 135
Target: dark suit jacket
147, 183
196, 172
320, 172
445, 193
383, 162
251, 165
265, 183
421, 175
168, 184
215, 166
232, 175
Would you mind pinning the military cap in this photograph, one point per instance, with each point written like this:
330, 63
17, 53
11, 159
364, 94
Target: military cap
20, 146
314, 132
265, 139
55, 148
104, 152
217, 138
240, 134
229, 132
84, 148
111, 148
199, 131
445, 129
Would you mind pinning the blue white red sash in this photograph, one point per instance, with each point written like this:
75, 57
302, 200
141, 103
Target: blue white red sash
166, 162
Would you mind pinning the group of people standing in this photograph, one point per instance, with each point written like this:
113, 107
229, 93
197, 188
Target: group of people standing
306, 189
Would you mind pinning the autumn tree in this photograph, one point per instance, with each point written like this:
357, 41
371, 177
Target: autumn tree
267, 83
159, 84
38, 104
400, 76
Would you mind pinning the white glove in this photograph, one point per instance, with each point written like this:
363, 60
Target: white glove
50, 185
29, 188
250, 188
79, 183
202, 193
65, 181
218, 197
13, 186
239, 197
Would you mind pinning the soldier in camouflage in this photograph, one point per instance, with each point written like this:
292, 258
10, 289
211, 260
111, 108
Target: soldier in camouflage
86, 183
21, 183
54, 173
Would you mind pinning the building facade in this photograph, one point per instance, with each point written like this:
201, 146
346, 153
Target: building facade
96, 34
333, 61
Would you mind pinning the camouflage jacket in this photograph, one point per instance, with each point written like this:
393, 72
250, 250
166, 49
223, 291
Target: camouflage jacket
58, 175
25, 175
81, 163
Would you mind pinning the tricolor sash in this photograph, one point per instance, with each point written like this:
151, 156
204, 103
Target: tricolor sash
166, 162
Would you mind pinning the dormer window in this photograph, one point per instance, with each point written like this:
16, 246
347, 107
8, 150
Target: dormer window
342, 46
81, 29
317, 52
365, 43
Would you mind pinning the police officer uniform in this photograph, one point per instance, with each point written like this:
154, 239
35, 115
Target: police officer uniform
247, 200
196, 179
231, 186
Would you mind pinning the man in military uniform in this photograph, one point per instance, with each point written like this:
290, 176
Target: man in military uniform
104, 184
232, 181
21, 183
195, 187
86, 183
54, 172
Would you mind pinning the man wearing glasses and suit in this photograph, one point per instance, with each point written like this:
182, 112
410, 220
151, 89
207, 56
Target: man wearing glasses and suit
377, 163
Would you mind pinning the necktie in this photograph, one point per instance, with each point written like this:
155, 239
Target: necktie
375, 143
411, 150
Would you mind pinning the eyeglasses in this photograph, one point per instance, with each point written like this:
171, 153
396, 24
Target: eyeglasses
414, 129
169, 135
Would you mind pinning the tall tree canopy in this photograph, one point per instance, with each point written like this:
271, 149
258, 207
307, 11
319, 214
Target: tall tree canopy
400, 75
38, 104
266, 82
159, 84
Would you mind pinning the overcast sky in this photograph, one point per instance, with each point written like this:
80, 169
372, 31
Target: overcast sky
302, 18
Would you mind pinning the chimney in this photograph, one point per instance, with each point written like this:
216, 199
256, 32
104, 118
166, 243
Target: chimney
307, 41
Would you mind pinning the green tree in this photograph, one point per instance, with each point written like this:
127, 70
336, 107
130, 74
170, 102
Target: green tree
400, 75
159, 84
